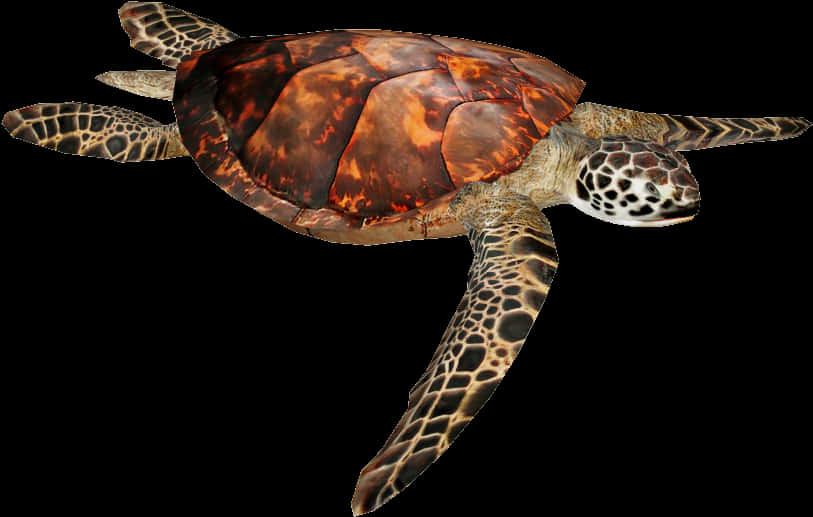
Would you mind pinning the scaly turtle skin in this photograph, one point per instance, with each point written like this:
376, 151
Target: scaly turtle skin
371, 137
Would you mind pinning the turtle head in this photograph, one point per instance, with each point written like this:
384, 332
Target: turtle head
635, 183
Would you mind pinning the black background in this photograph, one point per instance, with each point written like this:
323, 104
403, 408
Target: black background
168, 348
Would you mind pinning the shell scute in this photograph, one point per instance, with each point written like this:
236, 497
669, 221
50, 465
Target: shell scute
297, 147
480, 50
398, 55
545, 73
379, 33
544, 107
486, 139
393, 161
236, 97
478, 79
239, 52
316, 48
327, 219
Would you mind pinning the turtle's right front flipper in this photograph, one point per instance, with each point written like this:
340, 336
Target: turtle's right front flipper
513, 265
91, 130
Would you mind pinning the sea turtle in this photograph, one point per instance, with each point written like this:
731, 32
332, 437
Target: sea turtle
369, 137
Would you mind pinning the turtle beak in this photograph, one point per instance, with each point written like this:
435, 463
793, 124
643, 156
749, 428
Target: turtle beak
681, 216
674, 220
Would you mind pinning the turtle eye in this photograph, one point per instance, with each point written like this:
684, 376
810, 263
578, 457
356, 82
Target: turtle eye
652, 189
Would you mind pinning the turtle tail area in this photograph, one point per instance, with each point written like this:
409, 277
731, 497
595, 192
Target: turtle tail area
682, 133
155, 84
92, 130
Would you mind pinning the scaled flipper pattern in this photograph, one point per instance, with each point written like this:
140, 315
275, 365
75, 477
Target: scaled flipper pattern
682, 133
512, 269
92, 130
169, 34
690, 133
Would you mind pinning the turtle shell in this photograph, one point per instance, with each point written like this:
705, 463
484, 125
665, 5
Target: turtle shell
345, 130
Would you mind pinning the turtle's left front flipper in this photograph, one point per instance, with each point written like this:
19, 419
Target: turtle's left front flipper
681, 133
513, 266
92, 130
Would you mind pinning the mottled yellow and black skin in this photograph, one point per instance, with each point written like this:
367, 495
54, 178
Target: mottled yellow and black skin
156, 84
679, 132
346, 130
513, 266
168, 33
634, 182
98, 131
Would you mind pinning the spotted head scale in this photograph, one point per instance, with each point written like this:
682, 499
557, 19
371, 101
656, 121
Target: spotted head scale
636, 183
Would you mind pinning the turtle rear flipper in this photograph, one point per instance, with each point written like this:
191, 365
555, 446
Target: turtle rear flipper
91, 130
169, 34
513, 266
156, 84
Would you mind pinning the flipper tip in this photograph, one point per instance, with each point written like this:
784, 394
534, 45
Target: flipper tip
12, 120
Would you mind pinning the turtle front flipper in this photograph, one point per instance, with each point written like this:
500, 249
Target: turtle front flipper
689, 133
169, 34
513, 266
91, 130
682, 133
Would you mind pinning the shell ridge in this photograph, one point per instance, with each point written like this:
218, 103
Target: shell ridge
240, 62
249, 135
319, 175
445, 63
576, 86
445, 133
408, 171
353, 52
346, 145
572, 76
331, 204
487, 138
442, 45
